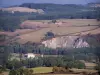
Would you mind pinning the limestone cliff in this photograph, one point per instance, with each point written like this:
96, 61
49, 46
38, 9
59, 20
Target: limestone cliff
66, 42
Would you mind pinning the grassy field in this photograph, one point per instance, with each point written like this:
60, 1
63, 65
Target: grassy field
42, 69
49, 69
38, 70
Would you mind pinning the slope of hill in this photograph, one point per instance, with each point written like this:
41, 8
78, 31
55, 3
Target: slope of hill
68, 10
66, 42
31, 24
64, 29
22, 9
94, 4
70, 27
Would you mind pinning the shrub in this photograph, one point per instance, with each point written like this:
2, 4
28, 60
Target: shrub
2, 69
28, 72
55, 69
66, 67
85, 73
97, 67
21, 71
13, 72
54, 21
63, 70
49, 35
98, 19
60, 70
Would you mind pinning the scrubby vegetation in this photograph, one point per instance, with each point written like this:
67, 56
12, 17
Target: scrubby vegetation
60, 57
21, 71
60, 70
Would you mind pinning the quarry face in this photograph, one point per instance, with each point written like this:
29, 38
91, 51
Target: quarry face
66, 42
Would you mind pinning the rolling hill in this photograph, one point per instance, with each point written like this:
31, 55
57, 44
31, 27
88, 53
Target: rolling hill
22, 9
68, 27
64, 29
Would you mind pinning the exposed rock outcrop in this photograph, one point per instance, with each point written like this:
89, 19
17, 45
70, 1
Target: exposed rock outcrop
66, 42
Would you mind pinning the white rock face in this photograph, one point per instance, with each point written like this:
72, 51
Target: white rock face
66, 42
81, 44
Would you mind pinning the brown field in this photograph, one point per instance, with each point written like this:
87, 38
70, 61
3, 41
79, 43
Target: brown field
20, 9
81, 22
38, 35
68, 27
60, 23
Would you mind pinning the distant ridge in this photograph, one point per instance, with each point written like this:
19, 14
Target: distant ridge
96, 4
22, 9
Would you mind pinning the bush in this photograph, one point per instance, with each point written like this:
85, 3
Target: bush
2, 69
98, 19
66, 67
21, 71
97, 67
79, 65
55, 69
28, 72
54, 21
13, 72
60, 70
49, 35
63, 70
85, 73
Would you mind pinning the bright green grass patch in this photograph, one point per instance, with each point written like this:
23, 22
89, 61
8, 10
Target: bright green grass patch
42, 69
